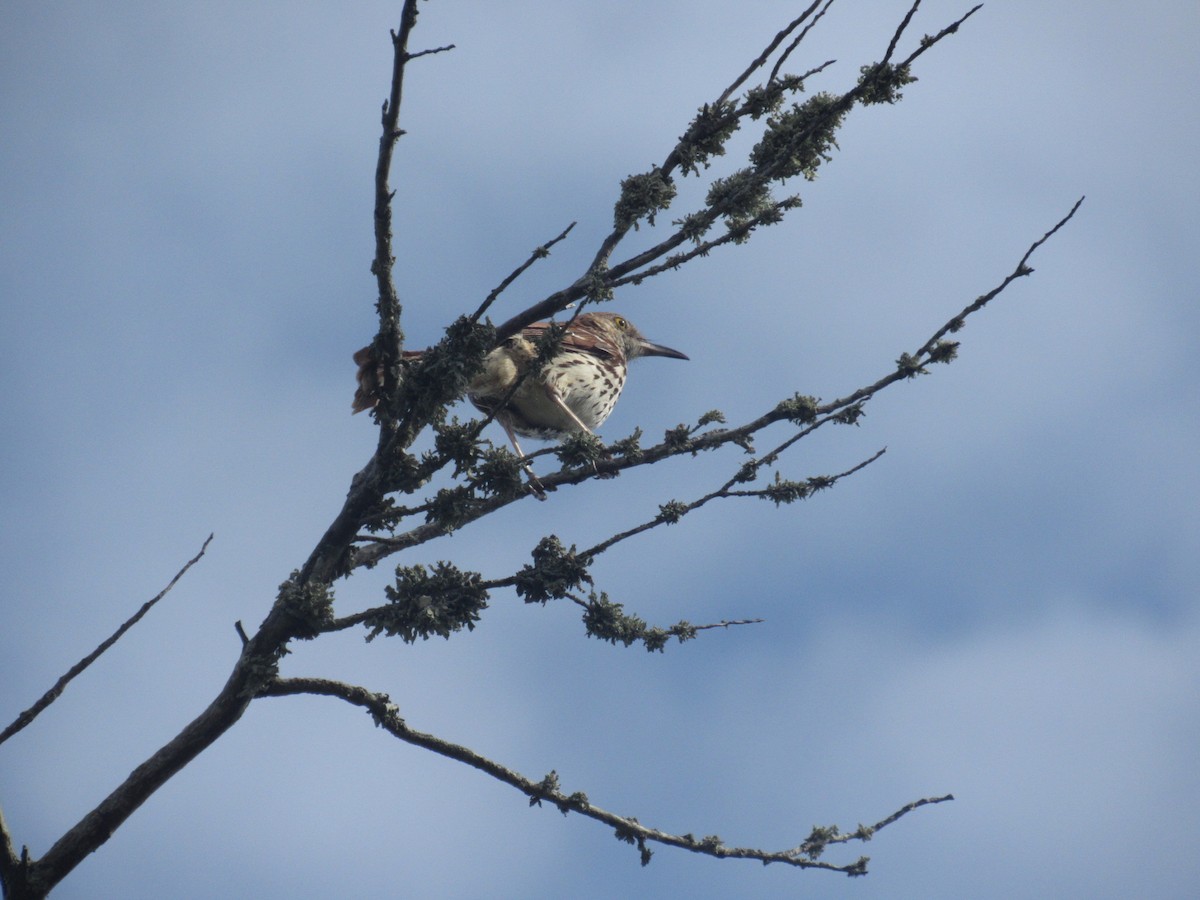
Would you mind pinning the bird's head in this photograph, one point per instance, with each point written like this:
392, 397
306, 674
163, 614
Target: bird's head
625, 334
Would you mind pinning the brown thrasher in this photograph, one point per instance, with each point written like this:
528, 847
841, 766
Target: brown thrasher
574, 392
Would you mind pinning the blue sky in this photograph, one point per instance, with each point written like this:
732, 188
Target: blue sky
1003, 607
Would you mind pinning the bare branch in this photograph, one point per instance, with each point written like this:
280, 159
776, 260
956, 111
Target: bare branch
411, 56
771, 47
728, 623
391, 335
386, 715
980, 302
796, 43
256, 663
389, 302
864, 832
929, 40
912, 11
59, 686
677, 511
97, 826
540, 253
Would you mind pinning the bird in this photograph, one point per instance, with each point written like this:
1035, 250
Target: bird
573, 393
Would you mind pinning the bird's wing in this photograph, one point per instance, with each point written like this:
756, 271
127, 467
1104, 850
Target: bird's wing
584, 340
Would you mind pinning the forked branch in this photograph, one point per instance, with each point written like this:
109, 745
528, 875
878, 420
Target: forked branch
742, 198
806, 412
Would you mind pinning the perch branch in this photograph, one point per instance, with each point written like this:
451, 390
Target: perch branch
371, 553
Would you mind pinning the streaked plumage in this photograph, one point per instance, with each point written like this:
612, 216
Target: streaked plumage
575, 391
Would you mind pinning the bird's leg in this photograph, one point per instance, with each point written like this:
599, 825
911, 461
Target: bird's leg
535, 485
561, 404
558, 401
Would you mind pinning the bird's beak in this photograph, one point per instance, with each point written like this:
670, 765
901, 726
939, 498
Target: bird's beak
649, 349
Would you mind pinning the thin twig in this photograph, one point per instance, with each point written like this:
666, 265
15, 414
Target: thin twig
1022, 270
796, 43
762, 58
887, 57
59, 686
540, 253
631, 629
865, 832
928, 41
728, 623
411, 56
723, 492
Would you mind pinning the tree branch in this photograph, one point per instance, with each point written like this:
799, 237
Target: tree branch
796, 43
1020, 271
732, 235
390, 338
762, 58
388, 304
540, 253
714, 124
386, 715
912, 11
59, 686
842, 409
672, 513
11, 865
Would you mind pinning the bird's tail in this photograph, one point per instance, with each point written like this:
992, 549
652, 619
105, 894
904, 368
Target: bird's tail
370, 376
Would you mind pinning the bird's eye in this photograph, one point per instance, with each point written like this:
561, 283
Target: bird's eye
621, 323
